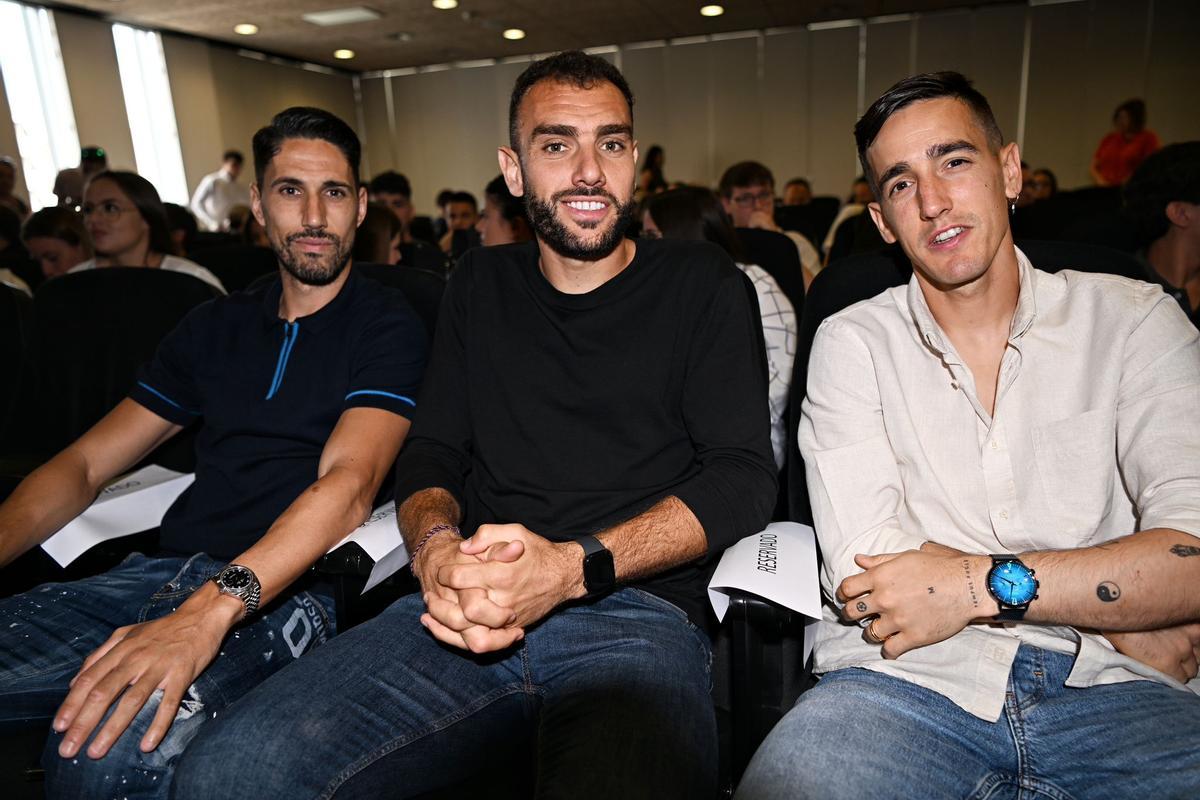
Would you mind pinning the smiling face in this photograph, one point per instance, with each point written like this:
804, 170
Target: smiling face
310, 209
117, 229
944, 191
576, 167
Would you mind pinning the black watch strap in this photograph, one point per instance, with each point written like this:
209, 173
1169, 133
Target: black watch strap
599, 572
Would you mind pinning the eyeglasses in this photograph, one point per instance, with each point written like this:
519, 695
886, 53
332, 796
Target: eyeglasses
759, 198
108, 210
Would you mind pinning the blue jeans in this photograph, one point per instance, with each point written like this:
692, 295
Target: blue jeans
46, 633
861, 734
613, 696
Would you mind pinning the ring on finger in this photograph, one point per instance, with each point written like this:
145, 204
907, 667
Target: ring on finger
871, 635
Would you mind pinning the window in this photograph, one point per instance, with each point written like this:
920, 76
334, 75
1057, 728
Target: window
151, 111
36, 85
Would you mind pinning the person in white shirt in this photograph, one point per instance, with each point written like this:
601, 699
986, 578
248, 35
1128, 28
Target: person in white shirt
219, 192
128, 227
1004, 468
747, 191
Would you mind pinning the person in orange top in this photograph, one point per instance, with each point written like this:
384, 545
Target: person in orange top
1121, 151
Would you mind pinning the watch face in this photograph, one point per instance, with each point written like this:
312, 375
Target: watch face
236, 578
1012, 583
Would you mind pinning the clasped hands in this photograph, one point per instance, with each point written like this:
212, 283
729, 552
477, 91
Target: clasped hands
481, 593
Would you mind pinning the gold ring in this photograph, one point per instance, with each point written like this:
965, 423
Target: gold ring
871, 635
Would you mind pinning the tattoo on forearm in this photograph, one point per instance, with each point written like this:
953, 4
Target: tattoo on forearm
1108, 591
970, 583
1185, 550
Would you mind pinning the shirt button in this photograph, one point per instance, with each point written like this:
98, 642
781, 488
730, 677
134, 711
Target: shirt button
1003, 514
995, 446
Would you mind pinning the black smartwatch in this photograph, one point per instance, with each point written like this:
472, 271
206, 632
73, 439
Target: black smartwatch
599, 574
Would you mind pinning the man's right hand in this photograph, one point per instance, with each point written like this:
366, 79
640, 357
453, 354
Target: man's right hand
1174, 651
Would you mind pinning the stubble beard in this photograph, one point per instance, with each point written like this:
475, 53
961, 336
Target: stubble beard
552, 231
312, 269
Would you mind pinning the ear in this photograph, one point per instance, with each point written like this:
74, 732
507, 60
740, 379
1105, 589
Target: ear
362, 205
1181, 214
881, 222
256, 204
510, 168
636, 160
1010, 164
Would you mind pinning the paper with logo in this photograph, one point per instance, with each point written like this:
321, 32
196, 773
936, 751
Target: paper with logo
131, 504
778, 564
380, 538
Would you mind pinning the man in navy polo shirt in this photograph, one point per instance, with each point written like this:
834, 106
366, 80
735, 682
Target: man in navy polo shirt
305, 389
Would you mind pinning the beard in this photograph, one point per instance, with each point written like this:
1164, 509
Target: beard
309, 268
554, 232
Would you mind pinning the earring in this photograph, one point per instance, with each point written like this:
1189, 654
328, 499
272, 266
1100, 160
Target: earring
1012, 206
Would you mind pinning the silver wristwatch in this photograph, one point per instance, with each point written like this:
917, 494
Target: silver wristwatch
240, 582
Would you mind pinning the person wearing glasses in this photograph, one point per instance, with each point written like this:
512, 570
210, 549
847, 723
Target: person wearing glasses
128, 226
747, 191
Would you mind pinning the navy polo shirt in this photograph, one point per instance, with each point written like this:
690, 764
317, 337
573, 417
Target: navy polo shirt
269, 393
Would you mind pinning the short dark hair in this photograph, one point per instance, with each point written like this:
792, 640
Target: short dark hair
57, 222
233, 155
1136, 109
745, 173
464, 197
799, 182
1172, 174
926, 86
180, 219
511, 207
390, 182
573, 67
145, 199
304, 122
443, 197
695, 213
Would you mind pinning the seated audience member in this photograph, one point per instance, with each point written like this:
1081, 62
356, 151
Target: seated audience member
575, 425
797, 192
991, 408
128, 227
69, 183
57, 239
303, 389
252, 232
747, 192
1025, 197
503, 220
12, 251
8, 181
440, 225
462, 212
1043, 185
695, 214
1163, 199
856, 203
391, 189
650, 177
378, 238
182, 227
218, 192
1128, 145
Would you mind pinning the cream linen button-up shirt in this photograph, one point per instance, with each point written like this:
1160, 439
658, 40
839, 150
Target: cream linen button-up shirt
1095, 435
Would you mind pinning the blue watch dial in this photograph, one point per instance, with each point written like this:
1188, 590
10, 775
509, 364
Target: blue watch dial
1012, 583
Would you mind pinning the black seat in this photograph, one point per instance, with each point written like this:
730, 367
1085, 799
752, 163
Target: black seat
236, 265
16, 331
423, 255
777, 254
421, 287
811, 220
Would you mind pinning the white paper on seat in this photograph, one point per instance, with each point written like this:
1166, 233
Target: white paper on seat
128, 505
778, 564
380, 538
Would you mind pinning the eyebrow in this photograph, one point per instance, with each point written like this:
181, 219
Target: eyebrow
934, 151
612, 129
287, 180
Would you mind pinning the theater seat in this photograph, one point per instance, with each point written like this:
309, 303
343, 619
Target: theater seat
777, 254
16, 331
236, 265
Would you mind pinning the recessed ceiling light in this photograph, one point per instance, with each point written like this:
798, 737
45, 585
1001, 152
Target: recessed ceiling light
712, 11
513, 34
341, 16
400, 36
245, 29
344, 55
445, 5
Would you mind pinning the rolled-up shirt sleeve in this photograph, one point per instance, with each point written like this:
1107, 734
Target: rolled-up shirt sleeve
854, 484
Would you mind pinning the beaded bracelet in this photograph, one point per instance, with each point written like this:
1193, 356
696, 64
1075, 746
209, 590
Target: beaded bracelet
434, 531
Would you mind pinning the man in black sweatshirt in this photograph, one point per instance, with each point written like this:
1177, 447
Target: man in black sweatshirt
594, 422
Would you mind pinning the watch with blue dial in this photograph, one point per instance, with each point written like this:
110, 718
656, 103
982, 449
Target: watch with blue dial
1013, 586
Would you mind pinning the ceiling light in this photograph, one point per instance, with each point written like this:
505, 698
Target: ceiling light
245, 29
445, 5
712, 11
341, 16
513, 34
344, 55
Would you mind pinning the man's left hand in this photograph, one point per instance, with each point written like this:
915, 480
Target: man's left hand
137, 660
918, 597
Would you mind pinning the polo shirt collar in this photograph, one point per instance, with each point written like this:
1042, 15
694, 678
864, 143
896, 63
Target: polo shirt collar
931, 333
319, 319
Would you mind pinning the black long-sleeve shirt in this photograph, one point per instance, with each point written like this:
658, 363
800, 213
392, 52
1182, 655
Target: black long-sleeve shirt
571, 413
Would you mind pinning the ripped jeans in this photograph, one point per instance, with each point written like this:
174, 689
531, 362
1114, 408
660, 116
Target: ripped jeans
46, 633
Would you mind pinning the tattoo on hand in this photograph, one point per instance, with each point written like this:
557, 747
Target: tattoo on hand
931, 590
970, 583
862, 607
1185, 550
1108, 591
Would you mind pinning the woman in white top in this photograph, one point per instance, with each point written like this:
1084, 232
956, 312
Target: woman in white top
128, 227
696, 213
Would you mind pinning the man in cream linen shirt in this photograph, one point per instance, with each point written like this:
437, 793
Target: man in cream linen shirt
989, 408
